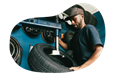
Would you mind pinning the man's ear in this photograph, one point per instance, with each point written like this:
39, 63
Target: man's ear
82, 16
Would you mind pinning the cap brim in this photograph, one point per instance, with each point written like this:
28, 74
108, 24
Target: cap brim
69, 18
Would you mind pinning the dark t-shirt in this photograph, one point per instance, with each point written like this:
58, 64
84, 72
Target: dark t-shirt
82, 43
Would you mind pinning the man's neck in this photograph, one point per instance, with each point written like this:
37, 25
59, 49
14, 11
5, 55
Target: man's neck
83, 25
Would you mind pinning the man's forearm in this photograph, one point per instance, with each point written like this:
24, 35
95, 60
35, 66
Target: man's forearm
95, 55
63, 45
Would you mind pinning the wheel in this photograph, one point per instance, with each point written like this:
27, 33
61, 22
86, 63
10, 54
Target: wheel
31, 31
68, 36
15, 50
86, 17
48, 36
93, 20
40, 60
90, 19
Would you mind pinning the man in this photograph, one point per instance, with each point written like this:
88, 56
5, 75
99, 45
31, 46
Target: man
86, 43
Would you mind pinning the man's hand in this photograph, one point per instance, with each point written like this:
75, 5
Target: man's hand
74, 68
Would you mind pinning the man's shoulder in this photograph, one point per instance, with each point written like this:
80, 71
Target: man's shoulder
90, 26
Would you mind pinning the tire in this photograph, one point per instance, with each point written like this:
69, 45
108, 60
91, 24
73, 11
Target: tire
16, 50
90, 19
19, 60
86, 17
68, 36
93, 20
39, 60
31, 33
48, 36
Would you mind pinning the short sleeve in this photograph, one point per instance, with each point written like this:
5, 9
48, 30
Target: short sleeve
93, 37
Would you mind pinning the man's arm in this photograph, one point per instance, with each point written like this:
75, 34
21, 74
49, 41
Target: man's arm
63, 45
96, 54
95, 44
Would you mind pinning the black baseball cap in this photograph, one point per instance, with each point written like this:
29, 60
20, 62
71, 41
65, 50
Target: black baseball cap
74, 10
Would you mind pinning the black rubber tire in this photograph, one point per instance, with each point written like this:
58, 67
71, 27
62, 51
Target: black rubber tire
90, 19
39, 60
68, 36
45, 35
19, 60
86, 17
30, 34
16, 50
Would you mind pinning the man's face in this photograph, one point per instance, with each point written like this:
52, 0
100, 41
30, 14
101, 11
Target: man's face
77, 21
